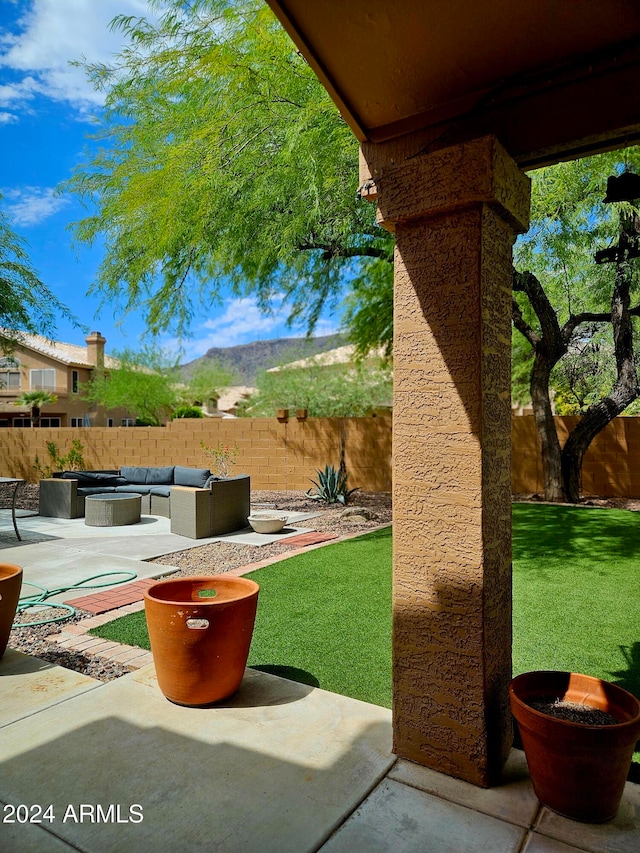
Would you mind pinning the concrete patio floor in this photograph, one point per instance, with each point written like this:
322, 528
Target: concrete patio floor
57, 553
279, 767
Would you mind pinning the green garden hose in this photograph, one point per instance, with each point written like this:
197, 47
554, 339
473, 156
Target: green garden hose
38, 599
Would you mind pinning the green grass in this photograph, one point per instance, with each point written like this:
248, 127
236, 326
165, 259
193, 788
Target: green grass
576, 591
324, 616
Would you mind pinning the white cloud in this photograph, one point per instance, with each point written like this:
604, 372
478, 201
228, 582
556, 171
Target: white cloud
50, 34
8, 118
241, 322
32, 205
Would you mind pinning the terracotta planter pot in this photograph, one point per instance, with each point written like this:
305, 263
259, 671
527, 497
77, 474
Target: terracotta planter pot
10, 584
200, 630
577, 770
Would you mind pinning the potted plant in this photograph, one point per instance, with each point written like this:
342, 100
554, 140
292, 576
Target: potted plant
10, 584
578, 733
200, 630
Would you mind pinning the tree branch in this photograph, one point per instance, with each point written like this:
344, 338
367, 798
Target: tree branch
522, 326
528, 284
330, 252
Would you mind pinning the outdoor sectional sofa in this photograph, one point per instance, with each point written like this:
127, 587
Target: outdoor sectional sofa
198, 503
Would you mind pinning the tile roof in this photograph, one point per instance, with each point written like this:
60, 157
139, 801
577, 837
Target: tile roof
66, 353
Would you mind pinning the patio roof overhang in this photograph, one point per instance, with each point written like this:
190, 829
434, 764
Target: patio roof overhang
551, 80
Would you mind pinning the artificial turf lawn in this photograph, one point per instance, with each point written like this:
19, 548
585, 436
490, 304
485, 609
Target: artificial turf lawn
325, 616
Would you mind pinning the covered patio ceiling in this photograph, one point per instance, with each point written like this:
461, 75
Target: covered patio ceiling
551, 79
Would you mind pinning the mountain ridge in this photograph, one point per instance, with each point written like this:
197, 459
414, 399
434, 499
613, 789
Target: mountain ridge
245, 361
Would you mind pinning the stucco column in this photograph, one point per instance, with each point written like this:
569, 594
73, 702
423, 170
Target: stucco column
455, 213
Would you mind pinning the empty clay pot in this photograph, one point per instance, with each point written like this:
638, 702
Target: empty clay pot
10, 584
577, 770
200, 630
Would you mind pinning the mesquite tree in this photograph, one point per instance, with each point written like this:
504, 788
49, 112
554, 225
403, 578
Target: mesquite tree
573, 231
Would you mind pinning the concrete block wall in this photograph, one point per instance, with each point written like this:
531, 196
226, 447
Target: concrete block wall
276, 454
611, 465
285, 455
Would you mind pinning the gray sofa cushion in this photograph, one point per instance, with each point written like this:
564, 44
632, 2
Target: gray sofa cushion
83, 491
197, 478
134, 489
141, 489
148, 476
94, 478
160, 476
160, 491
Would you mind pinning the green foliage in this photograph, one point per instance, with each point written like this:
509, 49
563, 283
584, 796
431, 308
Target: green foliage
140, 384
26, 304
331, 486
35, 400
201, 384
586, 373
521, 363
73, 460
569, 224
219, 140
336, 391
368, 307
188, 412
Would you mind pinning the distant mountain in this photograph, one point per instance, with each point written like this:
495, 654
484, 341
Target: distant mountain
245, 361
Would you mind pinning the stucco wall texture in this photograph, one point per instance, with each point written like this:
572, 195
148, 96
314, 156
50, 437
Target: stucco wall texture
455, 213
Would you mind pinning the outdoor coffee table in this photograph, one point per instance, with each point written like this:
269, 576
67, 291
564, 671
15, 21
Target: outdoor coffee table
112, 510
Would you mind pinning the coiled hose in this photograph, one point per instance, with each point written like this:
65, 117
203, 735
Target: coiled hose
38, 599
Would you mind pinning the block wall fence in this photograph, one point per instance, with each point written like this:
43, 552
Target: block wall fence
611, 466
276, 454
285, 455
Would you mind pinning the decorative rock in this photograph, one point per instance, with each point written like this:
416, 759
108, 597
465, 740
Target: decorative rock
359, 513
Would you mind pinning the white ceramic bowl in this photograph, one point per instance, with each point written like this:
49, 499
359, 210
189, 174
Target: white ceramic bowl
267, 522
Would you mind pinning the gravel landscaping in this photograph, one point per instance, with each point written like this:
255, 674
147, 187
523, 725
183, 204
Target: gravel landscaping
367, 511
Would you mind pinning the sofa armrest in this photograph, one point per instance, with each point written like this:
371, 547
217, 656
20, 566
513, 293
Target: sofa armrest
59, 498
230, 504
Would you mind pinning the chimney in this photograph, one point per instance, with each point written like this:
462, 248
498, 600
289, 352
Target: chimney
95, 349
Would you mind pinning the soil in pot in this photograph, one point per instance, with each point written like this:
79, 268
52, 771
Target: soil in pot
575, 712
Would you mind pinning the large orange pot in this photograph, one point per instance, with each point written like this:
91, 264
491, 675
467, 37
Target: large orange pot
10, 584
577, 770
200, 630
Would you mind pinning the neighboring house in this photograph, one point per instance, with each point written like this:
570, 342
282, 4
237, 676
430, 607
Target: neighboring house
226, 406
38, 363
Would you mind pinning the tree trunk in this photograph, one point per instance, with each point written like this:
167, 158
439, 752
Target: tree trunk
546, 429
35, 416
548, 347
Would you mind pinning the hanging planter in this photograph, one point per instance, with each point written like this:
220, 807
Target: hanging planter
10, 584
200, 629
578, 766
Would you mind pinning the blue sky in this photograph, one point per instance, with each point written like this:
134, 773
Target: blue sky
45, 115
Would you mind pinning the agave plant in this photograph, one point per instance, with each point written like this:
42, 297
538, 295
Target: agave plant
331, 486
